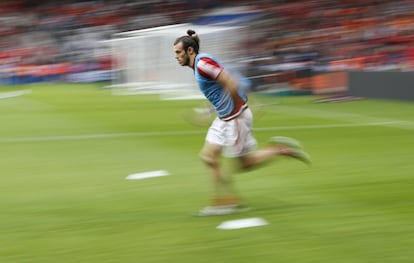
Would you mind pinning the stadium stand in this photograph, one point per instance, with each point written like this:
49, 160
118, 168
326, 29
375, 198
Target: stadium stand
291, 40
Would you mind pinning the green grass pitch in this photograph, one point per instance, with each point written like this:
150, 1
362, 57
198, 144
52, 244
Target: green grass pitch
65, 151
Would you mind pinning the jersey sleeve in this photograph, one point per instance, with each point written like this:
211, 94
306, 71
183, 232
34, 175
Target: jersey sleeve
209, 68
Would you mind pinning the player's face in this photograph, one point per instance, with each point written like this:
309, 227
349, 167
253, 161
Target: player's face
181, 55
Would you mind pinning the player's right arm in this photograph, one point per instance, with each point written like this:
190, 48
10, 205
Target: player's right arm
228, 82
210, 69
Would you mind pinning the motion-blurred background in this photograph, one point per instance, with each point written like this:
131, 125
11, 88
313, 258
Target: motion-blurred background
290, 42
67, 144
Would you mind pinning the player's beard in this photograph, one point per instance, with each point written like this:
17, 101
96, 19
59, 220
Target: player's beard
187, 60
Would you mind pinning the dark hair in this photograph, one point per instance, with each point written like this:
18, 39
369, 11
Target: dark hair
190, 40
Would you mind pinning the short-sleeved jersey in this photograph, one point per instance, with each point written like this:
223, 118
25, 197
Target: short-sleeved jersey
206, 70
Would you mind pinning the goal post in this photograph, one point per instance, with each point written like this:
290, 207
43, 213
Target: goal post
144, 60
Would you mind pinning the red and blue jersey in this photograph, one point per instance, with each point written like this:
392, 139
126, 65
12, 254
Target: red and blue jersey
206, 70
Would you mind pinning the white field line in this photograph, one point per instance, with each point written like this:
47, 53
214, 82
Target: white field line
348, 117
12, 94
182, 133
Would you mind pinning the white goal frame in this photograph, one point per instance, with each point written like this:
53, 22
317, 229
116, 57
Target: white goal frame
144, 60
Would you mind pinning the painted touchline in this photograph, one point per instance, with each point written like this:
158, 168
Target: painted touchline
188, 132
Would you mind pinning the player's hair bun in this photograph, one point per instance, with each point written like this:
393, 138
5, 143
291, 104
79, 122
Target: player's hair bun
193, 35
190, 32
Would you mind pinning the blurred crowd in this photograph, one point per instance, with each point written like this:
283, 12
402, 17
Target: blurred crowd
328, 34
41, 32
338, 34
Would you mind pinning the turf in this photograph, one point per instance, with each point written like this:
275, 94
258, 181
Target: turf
66, 150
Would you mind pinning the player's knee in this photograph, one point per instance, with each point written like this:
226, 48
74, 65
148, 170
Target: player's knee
210, 154
208, 159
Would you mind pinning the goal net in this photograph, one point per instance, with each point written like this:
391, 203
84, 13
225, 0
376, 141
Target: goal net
144, 60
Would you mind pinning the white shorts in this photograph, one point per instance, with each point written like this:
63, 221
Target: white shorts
235, 136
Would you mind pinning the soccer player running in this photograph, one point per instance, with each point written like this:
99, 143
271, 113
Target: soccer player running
230, 134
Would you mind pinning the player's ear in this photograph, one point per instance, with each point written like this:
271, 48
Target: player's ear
190, 50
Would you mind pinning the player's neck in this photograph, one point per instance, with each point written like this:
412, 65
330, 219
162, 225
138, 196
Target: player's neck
192, 62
